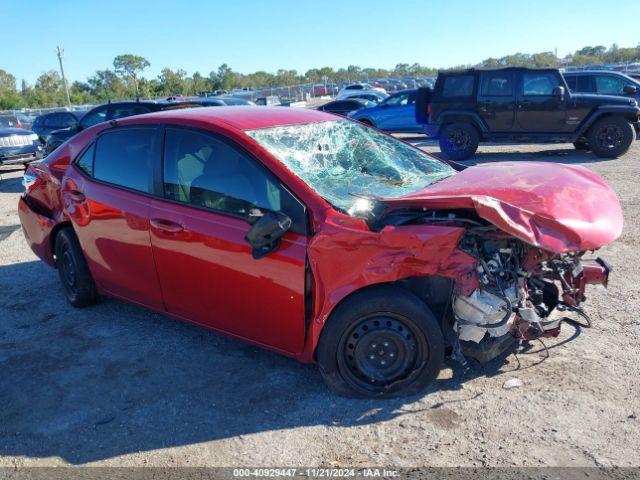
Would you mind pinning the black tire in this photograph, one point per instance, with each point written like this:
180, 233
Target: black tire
581, 145
381, 324
366, 121
611, 137
459, 140
77, 283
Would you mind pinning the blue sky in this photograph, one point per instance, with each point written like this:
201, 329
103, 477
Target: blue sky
252, 35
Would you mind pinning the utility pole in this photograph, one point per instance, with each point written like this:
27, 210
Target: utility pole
59, 52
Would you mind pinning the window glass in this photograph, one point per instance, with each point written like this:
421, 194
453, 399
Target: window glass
398, 100
539, 83
68, 120
53, 121
585, 84
85, 161
610, 85
497, 85
124, 157
8, 121
458, 86
127, 111
572, 83
94, 117
207, 172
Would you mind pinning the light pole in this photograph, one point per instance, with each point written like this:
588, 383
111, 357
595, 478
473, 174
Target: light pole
59, 52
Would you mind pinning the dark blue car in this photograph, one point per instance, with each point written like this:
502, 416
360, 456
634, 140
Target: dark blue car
18, 146
603, 83
396, 113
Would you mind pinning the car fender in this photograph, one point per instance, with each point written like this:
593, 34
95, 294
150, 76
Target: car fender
629, 112
450, 116
374, 258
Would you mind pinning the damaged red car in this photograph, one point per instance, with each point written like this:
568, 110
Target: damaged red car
319, 238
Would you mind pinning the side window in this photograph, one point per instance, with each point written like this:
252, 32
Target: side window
127, 111
610, 85
94, 117
207, 172
398, 100
125, 158
412, 99
585, 84
85, 161
496, 84
68, 120
539, 83
53, 121
458, 86
572, 83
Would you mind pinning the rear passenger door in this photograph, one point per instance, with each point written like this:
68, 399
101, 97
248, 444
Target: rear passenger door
496, 100
205, 265
538, 109
106, 195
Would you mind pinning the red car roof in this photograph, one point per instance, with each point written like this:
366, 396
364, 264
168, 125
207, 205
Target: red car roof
239, 117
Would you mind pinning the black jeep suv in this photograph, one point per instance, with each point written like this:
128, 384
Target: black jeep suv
523, 105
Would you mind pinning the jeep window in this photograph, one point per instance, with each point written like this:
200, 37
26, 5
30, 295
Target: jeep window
606, 85
497, 84
345, 162
458, 86
94, 117
539, 83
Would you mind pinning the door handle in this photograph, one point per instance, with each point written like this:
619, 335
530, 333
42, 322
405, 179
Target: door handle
166, 226
76, 196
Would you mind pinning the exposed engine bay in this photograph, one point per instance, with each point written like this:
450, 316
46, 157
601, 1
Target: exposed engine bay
523, 292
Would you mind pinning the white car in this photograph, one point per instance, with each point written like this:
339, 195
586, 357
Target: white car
372, 95
348, 90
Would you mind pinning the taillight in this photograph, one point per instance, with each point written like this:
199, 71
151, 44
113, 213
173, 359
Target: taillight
20, 124
429, 109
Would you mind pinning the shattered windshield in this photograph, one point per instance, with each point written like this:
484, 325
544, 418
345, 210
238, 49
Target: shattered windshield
345, 162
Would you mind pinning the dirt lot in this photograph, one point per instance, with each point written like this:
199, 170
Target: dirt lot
117, 385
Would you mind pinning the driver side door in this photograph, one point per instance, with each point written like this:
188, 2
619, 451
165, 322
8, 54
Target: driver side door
206, 269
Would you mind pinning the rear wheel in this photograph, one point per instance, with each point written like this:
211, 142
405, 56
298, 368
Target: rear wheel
459, 141
581, 145
383, 342
78, 285
611, 137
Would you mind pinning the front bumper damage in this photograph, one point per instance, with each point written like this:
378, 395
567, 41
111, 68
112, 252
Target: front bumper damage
534, 306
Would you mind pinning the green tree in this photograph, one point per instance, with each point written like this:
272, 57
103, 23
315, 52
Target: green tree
129, 67
9, 97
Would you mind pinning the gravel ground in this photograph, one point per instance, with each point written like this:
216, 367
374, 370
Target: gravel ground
118, 385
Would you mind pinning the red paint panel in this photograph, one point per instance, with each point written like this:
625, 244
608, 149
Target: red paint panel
37, 231
208, 275
113, 229
559, 208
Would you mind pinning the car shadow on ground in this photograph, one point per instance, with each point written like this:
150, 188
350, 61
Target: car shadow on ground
114, 379
10, 184
562, 153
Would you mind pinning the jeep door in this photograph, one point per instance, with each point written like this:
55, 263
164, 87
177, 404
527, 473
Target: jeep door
538, 109
496, 100
207, 185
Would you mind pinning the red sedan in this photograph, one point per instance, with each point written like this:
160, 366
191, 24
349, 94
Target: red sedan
319, 238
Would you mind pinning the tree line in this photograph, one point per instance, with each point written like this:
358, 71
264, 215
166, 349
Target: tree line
125, 79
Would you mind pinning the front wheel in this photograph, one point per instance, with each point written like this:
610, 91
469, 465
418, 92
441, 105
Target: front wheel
611, 137
459, 141
383, 342
78, 285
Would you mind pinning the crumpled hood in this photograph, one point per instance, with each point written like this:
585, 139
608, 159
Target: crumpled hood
560, 208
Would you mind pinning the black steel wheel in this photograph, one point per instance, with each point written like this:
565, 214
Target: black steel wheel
77, 283
383, 342
611, 137
581, 145
459, 141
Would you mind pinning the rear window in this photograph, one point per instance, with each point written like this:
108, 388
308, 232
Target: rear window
458, 86
8, 121
124, 158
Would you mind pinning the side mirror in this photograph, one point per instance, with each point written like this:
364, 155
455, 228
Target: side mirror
629, 89
267, 228
558, 92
